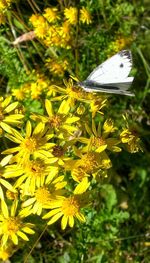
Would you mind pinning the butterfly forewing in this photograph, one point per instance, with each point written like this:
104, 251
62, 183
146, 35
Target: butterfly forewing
111, 76
114, 69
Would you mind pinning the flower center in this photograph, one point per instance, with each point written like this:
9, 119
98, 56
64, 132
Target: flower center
30, 144
97, 141
55, 121
73, 92
35, 168
43, 195
88, 162
11, 225
70, 206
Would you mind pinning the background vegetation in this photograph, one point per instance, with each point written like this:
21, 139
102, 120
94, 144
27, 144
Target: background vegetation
38, 50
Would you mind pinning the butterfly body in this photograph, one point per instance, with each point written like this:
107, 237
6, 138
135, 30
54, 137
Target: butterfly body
111, 76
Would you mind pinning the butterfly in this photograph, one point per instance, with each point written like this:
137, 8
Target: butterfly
111, 76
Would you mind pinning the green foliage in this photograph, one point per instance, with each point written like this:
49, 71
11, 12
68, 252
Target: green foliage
11, 66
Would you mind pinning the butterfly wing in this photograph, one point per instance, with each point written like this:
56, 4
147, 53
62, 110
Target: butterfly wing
114, 70
111, 76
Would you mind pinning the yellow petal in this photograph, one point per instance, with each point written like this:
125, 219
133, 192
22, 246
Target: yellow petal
55, 218
101, 148
6, 102
6, 160
22, 235
11, 107
6, 127
4, 240
14, 239
6, 184
28, 230
64, 222
49, 108
1, 193
4, 209
82, 187
70, 120
29, 202
80, 217
71, 221
64, 108
14, 208
28, 129
51, 213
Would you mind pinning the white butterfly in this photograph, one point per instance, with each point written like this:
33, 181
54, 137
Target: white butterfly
111, 76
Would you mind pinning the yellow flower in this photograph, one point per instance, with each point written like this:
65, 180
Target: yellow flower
118, 44
41, 30
53, 37
70, 92
4, 4
34, 143
6, 184
130, 137
96, 105
61, 122
65, 31
51, 14
85, 16
6, 252
68, 207
20, 93
7, 117
99, 141
71, 15
56, 67
40, 25
79, 172
12, 225
44, 195
92, 163
32, 173
38, 87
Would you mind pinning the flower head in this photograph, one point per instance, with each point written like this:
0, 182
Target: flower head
12, 225
56, 67
44, 195
99, 139
7, 116
33, 143
51, 14
71, 15
85, 16
31, 174
61, 122
131, 139
68, 207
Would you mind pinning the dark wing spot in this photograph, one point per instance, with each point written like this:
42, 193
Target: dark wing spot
121, 65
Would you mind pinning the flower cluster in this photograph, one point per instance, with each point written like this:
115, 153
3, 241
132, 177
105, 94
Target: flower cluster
34, 88
57, 30
4, 5
53, 161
